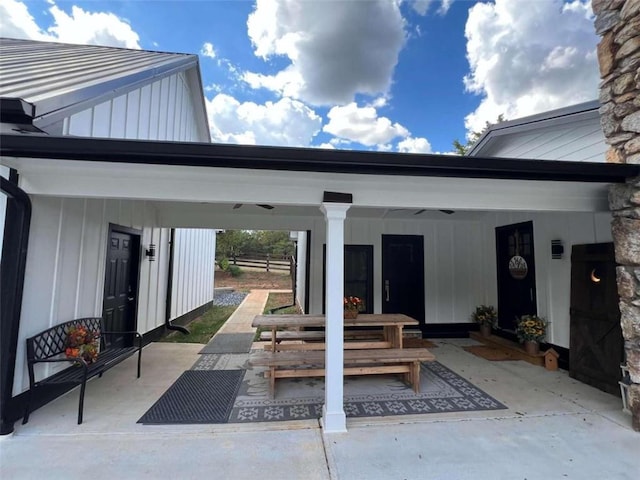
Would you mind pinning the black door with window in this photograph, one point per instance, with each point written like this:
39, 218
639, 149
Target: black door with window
358, 275
403, 275
121, 284
516, 273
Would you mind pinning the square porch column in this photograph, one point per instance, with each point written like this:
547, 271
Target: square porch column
333, 416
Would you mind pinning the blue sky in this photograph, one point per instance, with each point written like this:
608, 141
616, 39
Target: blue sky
400, 75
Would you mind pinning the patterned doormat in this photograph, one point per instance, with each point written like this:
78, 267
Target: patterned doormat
442, 390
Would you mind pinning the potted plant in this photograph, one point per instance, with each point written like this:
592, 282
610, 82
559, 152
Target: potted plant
486, 316
82, 343
531, 330
352, 305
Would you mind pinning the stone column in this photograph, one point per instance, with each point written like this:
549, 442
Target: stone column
618, 22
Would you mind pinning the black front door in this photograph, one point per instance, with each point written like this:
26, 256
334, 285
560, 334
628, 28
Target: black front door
403, 275
358, 275
516, 273
121, 284
596, 344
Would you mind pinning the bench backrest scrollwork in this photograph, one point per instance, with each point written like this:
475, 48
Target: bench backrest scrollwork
52, 342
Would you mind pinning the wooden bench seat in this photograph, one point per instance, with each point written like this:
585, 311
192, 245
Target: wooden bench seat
297, 364
311, 335
314, 340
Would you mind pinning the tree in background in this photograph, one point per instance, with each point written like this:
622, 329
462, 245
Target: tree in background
232, 243
463, 149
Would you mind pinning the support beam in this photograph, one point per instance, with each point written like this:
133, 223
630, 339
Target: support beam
333, 416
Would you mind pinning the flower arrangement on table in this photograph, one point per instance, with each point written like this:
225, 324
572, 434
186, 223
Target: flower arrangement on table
82, 343
485, 315
352, 305
531, 328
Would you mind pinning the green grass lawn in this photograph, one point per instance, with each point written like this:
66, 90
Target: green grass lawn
204, 327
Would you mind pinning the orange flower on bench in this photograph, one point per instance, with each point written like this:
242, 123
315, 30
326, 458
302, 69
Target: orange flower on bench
82, 343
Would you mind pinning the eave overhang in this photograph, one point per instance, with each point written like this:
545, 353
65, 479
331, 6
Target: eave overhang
117, 151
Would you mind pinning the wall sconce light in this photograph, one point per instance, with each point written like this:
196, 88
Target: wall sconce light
557, 249
151, 252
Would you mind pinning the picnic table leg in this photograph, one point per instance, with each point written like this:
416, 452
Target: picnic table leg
273, 338
416, 376
272, 382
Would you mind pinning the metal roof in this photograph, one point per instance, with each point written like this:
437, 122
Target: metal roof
534, 121
55, 76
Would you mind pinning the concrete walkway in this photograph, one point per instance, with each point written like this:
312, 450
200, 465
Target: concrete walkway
252, 305
554, 428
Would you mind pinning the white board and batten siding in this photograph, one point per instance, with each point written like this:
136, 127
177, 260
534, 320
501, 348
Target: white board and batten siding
460, 261
66, 265
193, 273
162, 110
68, 240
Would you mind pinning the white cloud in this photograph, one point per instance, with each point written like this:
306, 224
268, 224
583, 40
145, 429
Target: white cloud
414, 145
285, 122
421, 6
335, 49
97, 28
17, 22
82, 27
362, 125
444, 6
207, 50
529, 56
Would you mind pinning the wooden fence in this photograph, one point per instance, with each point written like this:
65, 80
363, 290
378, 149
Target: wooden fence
265, 262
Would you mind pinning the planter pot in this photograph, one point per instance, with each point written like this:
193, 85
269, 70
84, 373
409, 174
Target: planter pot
532, 347
485, 330
351, 314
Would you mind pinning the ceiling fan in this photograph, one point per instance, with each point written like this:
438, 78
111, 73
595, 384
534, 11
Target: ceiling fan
261, 205
422, 210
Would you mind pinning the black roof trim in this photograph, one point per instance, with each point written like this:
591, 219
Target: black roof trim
308, 159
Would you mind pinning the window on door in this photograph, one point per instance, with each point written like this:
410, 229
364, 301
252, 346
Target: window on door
358, 274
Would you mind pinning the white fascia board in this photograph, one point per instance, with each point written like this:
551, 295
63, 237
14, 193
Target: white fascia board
226, 185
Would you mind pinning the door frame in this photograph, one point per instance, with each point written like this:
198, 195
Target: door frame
137, 255
421, 280
532, 269
369, 248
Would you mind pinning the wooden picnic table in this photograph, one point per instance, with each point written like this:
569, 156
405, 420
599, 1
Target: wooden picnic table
392, 325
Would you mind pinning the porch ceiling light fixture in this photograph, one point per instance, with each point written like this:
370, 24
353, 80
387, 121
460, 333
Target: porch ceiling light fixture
151, 252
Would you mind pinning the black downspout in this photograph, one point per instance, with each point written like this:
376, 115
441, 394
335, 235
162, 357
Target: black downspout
167, 321
12, 271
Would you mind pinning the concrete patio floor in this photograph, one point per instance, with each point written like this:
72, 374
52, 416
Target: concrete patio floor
555, 427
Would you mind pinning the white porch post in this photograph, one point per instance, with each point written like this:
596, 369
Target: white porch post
333, 416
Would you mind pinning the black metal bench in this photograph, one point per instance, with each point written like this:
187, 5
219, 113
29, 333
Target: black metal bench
49, 346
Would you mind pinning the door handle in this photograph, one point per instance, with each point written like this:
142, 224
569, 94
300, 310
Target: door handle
386, 289
131, 299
